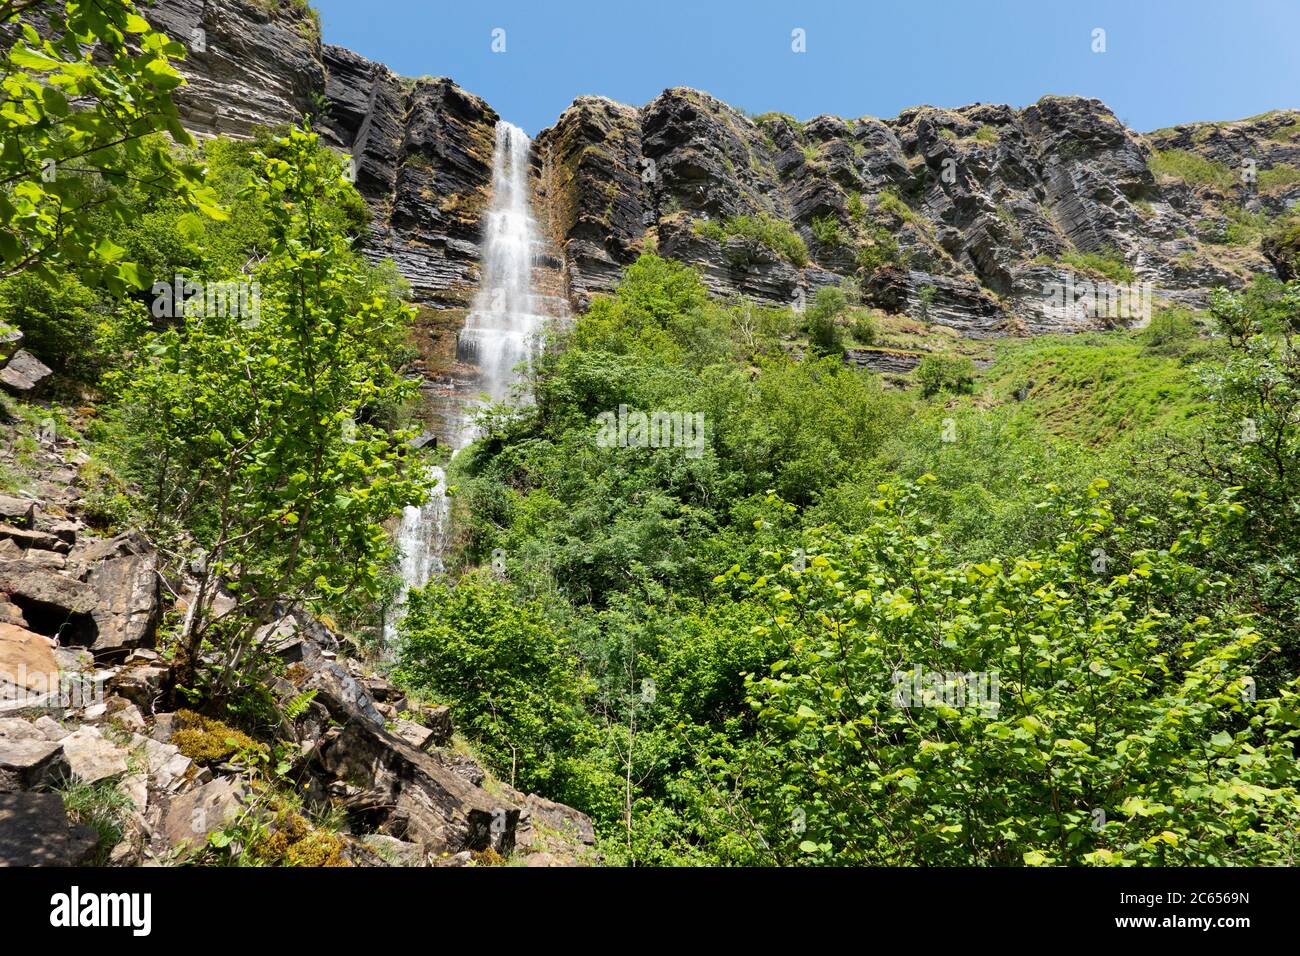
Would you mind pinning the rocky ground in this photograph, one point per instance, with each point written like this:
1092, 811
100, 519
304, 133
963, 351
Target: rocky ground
85, 677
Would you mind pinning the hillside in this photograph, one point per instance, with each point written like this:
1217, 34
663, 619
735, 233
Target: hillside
382, 487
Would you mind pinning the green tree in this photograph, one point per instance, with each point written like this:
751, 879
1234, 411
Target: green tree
257, 434
78, 123
824, 330
1116, 722
514, 681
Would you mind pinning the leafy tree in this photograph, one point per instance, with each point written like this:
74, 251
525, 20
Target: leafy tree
1252, 442
1123, 728
257, 433
953, 373
78, 123
828, 304
515, 683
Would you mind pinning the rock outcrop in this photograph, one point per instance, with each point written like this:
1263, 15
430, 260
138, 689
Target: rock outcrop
985, 204
981, 201
422, 149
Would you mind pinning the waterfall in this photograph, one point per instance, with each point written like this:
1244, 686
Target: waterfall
502, 327
500, 332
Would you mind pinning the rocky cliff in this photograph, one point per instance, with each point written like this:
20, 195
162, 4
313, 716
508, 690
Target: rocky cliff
84, 704
963, 216
986, 203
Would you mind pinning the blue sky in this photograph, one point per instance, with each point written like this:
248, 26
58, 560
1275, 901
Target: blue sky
1165, 61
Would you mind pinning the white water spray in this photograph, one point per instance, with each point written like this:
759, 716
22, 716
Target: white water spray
501, 332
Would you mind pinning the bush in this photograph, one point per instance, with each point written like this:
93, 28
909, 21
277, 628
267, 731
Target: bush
1105, 262
1170, 329
775, 234
1282, 246
878, 250
1055, 708
507, 672
828, 232
60, 320
824, 330
953, 373
862, 327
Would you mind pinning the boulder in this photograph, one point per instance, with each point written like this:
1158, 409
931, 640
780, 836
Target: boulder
45, 559
125, 715
26, 764
124, 576
52, 603
419, 737
168, 768
18, 512
409, 794
141, 684
92, 757
27, 664
32, 538
394, 852
15, 728
11, 613
61, 528
34, 831
341, 693
551, 834
51, 728
10, 339
188, 819
24, 374
438, 720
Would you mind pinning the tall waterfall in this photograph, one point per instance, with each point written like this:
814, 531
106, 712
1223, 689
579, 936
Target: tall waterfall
502, 327
500, 332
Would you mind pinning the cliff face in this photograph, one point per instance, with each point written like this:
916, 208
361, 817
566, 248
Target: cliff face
976, 208
422, 148
983, 201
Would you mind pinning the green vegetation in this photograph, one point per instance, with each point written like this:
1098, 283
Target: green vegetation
1107, 263
104, 807
698, 648
879, 249
277, 415
206, 740
939, 373
1277, 177
776, 234
64, 181
1283, 243
1040, 612
890, 202
828, 231
1192, 168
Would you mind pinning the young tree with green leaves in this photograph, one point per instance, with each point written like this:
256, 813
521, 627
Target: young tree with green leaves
82, 110
260, 436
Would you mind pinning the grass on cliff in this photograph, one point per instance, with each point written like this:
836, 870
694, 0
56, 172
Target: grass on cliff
775, 234
1105, 262
1191, 168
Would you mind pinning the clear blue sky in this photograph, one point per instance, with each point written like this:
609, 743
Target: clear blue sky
1166, 61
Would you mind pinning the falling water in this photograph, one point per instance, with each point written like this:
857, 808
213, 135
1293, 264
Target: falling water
501, 332
502, 328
